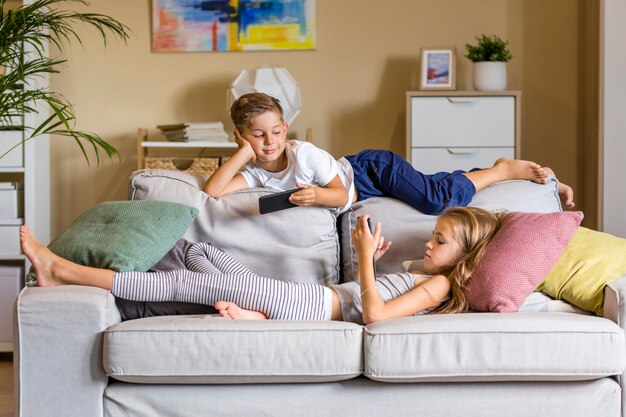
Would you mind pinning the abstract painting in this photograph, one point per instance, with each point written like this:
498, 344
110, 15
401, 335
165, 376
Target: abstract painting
232, 25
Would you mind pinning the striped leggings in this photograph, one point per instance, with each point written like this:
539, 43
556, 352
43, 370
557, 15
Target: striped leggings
212, 276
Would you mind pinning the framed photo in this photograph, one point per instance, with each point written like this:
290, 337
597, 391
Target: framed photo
438, 69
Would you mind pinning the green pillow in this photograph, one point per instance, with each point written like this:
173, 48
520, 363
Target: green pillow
590, 261
124, 235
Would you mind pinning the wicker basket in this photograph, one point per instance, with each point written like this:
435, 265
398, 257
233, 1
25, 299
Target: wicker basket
200, 166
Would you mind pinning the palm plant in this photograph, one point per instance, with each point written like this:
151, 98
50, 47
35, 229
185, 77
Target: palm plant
25, 33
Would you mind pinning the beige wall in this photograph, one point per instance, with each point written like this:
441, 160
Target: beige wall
353, 85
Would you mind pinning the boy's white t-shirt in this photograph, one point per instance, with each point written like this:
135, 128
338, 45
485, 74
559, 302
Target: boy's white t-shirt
306, 164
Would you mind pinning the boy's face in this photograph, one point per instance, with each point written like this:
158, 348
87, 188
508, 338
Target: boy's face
267, 134
442, 250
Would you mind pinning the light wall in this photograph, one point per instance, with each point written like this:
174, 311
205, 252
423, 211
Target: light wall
352, 85
613, 124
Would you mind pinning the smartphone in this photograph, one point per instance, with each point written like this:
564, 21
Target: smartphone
277, 201
369, 224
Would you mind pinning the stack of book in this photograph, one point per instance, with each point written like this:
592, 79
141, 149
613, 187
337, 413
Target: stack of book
184, 132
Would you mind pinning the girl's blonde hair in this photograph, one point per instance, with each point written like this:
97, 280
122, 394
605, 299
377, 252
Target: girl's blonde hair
473, 229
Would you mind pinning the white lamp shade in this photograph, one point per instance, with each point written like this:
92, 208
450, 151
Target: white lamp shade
274, 81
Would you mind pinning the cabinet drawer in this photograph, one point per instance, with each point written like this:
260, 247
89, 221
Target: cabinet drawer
10, 283
460, 120
15, 158
10, 236
431, 160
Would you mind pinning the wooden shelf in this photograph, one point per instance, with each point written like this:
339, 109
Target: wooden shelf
11, 170
143, 144
12, 257
190, 144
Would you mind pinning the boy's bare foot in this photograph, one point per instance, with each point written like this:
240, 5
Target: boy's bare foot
233, 311
566, 193
42, 259
518, 169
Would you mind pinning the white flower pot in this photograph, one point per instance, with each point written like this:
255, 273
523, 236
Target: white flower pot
490, 76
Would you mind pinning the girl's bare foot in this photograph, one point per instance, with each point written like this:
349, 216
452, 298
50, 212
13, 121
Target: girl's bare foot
518, 169
42, 259
233, 311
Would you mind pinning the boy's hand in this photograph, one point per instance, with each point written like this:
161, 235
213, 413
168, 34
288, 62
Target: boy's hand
306, 197
244, 145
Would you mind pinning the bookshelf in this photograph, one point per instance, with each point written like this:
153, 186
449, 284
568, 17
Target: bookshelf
216, 149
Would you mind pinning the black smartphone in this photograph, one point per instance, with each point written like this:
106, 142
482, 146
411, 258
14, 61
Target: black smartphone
371, 226
277, 201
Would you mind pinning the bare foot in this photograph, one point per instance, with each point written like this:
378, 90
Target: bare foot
41, 257
566, 193
233, 311
518, 169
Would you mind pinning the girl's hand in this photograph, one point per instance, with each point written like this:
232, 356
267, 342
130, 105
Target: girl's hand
382, 248
366, 244
306, 197
244, 145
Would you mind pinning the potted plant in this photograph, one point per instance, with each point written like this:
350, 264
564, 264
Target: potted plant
25, 32
489, 56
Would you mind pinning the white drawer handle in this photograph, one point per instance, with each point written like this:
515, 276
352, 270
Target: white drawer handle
461, 100
462, 151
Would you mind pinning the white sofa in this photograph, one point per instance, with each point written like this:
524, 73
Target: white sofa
75, 356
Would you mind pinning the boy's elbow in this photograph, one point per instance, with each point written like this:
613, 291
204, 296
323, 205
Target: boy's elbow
212, 192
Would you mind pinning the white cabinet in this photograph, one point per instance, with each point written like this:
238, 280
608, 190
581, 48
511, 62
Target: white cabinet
25, 198
454, 130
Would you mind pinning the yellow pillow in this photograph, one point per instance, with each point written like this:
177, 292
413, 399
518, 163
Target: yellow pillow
590, 261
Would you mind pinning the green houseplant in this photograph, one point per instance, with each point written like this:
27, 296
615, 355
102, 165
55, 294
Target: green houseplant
489, 55
25, 33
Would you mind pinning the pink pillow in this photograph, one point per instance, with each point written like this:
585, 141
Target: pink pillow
523, 251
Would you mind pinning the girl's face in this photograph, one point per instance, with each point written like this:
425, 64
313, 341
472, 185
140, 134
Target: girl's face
442, 250
267, 134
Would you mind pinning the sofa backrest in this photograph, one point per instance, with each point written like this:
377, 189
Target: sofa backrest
409, 230
309, 244
299, 245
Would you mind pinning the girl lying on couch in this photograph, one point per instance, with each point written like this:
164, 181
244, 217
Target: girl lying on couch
214, 278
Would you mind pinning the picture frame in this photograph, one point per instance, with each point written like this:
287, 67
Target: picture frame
438, 69
233, 25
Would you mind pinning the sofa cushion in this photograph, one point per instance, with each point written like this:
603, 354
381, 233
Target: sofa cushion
590, 261
493, 347
409, 229
208, 349
520, 255
124, 235
299, 244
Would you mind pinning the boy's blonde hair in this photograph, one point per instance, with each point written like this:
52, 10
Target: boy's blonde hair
473, 229
251, 105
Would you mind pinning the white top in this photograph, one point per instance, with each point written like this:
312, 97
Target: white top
306, 164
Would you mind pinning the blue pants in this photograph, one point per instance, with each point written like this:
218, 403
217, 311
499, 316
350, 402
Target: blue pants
379, 173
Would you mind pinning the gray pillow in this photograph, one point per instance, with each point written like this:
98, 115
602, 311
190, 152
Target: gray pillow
300, 244
409, 229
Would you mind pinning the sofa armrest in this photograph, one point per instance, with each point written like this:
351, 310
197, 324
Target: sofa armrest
615, 309
58, 350
615, 301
